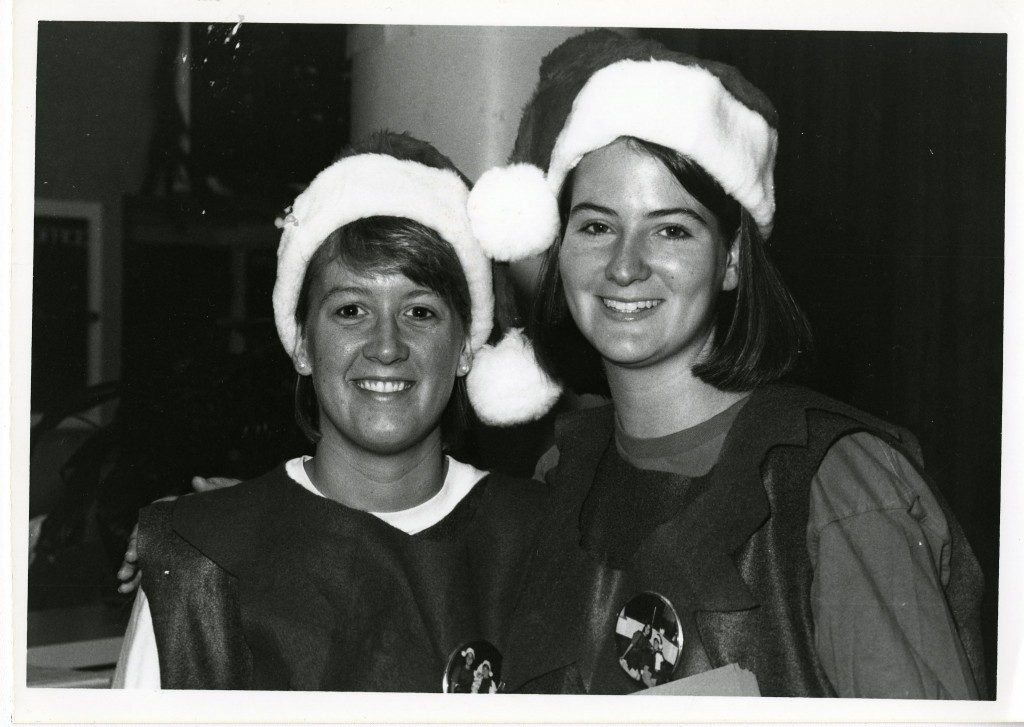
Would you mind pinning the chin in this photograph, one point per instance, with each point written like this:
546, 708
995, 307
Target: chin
621, 352
630, 362
389, 443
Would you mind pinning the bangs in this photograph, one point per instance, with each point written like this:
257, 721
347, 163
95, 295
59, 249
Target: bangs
390, 246
393, 246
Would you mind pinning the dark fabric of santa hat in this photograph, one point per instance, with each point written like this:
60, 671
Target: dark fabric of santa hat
565, 70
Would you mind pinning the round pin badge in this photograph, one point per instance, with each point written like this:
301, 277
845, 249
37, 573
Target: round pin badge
649, 639
473, 668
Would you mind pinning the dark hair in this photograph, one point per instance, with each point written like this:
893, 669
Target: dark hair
759, 329
392, 245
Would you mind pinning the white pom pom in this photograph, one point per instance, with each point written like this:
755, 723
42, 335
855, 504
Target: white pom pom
506, 384
513, 212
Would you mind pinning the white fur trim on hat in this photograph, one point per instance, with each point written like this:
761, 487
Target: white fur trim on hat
369, 185
506, 384
513, 212
683, 107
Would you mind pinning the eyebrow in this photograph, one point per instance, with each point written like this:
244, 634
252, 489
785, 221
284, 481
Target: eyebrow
591, 207
416, 293
343, 290
684, 211
361, 291
653, 214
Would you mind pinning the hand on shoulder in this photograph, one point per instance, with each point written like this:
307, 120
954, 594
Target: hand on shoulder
129, 573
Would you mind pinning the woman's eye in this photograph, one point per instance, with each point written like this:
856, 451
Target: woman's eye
595, 228
675, 232
421, 313
348, 311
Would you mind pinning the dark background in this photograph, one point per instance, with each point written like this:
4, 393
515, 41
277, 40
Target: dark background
890, 231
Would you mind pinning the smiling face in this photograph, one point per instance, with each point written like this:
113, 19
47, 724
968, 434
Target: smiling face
383, 353
642, 261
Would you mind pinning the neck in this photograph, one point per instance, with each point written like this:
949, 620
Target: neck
375, 482
657, 400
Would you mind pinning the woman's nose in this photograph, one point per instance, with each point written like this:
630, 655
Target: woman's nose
628, 263
386, 344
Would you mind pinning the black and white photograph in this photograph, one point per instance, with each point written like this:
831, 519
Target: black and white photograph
650, 639
474, 668
485, 351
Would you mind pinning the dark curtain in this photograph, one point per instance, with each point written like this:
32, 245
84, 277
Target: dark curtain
890, 193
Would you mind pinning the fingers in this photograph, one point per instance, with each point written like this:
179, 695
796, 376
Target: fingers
131, 554
207, 484
130, 585
128, 574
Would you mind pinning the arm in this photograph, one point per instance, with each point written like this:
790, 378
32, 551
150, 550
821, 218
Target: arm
879, 545
632, 642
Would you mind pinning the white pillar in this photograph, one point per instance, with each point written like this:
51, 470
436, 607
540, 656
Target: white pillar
462, 88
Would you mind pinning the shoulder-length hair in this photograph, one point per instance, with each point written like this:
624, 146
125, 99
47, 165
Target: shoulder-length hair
760, 330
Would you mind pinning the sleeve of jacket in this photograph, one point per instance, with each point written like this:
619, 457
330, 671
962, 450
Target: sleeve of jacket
880, 545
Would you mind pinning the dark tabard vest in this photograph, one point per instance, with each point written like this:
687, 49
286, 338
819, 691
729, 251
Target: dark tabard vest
267, 586
728, 549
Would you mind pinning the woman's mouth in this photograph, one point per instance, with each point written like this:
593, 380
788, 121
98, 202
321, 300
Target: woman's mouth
383, 386
629, 306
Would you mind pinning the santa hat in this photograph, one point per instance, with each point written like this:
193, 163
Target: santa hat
505, 385
598, 87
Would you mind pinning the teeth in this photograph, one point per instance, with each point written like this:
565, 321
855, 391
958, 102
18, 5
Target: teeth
383, 387
631, 306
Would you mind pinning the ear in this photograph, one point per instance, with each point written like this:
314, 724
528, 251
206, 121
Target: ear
465, 358
732, 265
300, 356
